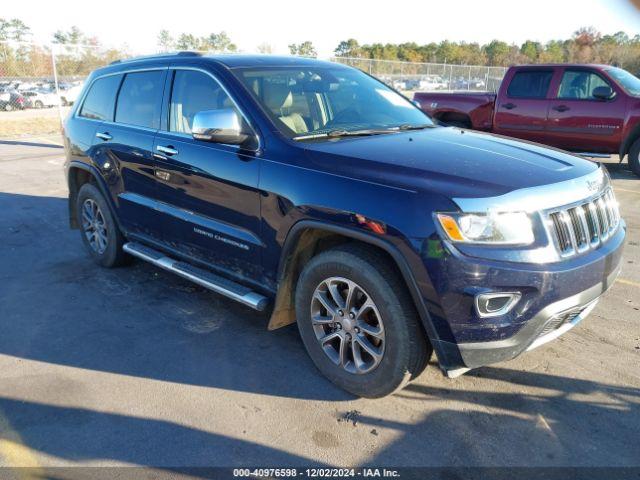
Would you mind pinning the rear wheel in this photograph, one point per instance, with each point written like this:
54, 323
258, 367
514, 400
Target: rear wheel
39, 104
634, 157
98, 229
358, 322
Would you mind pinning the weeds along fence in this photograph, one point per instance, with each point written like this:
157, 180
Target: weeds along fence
38, 82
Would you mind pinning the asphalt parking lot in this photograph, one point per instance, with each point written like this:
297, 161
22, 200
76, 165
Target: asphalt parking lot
134, 366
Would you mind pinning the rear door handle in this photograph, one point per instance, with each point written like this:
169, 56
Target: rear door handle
509, 106
169, 150
104, 136
561, 108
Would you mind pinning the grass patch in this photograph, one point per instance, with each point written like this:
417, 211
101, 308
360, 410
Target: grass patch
29, 126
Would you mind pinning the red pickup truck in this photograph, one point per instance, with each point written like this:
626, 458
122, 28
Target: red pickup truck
590, 109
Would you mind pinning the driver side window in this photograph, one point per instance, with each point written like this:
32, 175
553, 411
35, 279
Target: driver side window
579, 85
194, 92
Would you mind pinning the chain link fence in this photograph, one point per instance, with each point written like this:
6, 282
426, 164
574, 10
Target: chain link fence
38, 83
410, 77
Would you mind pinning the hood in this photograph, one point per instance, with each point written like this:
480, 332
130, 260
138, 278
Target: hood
449, 161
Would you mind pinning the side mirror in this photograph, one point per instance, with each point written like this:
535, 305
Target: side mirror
602, 92
219, 126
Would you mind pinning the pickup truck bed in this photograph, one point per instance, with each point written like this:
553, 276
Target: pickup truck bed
467, 110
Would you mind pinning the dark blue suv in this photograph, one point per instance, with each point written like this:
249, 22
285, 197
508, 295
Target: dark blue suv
315, 191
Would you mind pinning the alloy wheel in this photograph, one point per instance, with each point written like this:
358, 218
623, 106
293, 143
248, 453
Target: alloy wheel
348, 325
94, 226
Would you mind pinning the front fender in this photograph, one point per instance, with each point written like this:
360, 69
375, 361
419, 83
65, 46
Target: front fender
298, 241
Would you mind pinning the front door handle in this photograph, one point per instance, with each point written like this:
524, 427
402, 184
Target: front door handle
509, 106
104, 136
561, 108
169, 150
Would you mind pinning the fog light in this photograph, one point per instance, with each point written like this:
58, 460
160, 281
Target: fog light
496, 303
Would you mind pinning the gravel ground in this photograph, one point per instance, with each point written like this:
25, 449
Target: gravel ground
135, 366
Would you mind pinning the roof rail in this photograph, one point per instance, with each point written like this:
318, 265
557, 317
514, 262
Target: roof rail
158, 55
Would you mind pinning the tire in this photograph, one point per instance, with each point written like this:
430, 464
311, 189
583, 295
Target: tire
38, 104
634, 157
8, 107
403, 345
457, 124
108, 252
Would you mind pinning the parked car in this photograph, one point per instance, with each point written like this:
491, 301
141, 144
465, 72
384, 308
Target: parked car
432, 82
591, 109
12, 100
70, 95
41, 98
400, 85
312, 190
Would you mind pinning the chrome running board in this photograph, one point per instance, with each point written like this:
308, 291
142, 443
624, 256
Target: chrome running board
202, 277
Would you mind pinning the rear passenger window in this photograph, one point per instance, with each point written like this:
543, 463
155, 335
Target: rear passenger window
98, 104
530, 84
140, 98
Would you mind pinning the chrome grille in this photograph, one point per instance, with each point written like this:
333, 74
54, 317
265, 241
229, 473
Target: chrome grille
580, 227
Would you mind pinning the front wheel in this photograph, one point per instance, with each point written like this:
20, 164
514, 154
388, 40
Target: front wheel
358, 321
98, 229
634, 157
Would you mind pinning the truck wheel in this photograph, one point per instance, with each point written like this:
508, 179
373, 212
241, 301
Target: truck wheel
457, 124
38, 104
634, 157
100, 233
358, 322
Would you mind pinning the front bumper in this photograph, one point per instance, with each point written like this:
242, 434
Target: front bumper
555, 297
551, 322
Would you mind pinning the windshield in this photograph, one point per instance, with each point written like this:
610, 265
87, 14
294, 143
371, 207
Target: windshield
308, 102
629, 82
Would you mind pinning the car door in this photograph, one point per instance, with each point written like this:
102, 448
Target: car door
579, 121
126, 145
522, 111
97, 106
208, 191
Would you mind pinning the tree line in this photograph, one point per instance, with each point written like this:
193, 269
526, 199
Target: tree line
74, 58
587, 45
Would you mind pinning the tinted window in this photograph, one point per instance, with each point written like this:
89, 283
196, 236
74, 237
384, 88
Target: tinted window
98, 103
194, 92
579, 85
140, 98
530, 84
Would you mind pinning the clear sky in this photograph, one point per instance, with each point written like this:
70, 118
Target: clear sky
326, 22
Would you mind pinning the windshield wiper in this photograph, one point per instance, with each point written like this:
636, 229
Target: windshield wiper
338, 133
407, 126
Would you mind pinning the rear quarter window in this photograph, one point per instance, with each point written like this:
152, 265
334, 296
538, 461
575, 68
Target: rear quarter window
530, 84
140, 99
98, 104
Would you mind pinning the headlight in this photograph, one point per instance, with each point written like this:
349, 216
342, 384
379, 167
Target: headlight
509, 228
